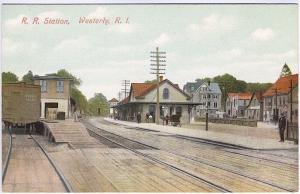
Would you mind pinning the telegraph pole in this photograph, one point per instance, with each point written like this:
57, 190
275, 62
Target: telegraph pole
291, 99
119, 94
157, 70
125, 83
276, 111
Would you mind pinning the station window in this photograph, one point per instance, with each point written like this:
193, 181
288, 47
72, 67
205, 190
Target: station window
166, 93
59, 86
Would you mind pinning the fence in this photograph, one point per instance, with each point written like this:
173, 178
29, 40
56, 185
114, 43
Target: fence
242, 122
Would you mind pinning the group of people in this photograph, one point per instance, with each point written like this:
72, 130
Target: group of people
149, 118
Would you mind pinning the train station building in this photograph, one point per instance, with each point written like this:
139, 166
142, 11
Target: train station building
55, 96
142, 98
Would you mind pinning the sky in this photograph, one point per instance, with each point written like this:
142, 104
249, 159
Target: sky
250, 42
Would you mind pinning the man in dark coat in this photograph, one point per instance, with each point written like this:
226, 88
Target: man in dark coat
139, 117
282, 126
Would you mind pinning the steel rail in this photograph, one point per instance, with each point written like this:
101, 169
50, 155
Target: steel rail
219, 144
220, 188
57, 170
207, 163
7, 156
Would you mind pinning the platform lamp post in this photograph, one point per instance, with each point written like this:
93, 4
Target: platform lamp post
206, 118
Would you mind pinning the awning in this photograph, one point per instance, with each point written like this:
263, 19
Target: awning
161, 103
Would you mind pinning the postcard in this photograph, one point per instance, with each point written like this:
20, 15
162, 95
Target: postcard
149, 97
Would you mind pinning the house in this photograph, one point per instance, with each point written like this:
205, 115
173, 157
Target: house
55, 95
209, 95
236, 104
113, 102
255, 108
276, 98
191, 87
142, 98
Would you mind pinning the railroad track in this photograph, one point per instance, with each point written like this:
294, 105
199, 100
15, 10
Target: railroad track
195, 159
91, 128
7, 156
210, 142
66, 185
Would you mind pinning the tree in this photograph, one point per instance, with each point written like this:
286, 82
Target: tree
229, 83
81, 103
28, 78
206, 79
64, 73
258, 87
98, 105
241, 86
285, 71
150, 81
9, 77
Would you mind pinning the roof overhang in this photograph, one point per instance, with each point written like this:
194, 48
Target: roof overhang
161, 103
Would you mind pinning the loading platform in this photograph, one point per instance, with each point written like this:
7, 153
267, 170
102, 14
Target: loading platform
69, 131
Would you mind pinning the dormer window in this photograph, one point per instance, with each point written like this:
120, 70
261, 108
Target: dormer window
166, 93
192, 88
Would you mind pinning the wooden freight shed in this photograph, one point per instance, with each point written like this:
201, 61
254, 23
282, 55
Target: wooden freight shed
20, 103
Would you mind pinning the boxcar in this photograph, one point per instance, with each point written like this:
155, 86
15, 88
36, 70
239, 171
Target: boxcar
21, 103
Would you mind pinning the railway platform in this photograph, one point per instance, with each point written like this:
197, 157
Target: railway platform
29, 169
239, 137
68, 131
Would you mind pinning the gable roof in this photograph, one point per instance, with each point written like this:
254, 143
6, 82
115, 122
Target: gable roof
282, 85
258, 96
113, 100
149, 89
188, 85
124, 101
241, 95
137, 89
214, 87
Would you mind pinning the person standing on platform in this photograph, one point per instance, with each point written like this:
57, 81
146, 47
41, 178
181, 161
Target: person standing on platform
139, 117
282, 126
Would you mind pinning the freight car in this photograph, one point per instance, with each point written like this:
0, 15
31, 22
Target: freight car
21, 103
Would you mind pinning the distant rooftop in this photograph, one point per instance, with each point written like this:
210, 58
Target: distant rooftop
113, 100
48, 77
190, 87
241, 95
282, 85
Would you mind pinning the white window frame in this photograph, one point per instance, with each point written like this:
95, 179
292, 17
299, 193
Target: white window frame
43, 84
60, 86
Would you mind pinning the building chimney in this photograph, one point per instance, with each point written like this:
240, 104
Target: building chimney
161, 78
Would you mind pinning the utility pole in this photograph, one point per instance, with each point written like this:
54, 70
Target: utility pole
276, 111
291, 99
157, 70
119, 95
125, 83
